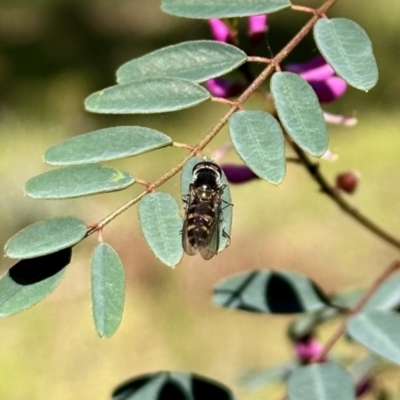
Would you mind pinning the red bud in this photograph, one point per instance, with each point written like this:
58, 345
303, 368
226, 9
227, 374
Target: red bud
348, 181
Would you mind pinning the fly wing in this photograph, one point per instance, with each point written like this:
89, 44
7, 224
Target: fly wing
187, 246
210, 248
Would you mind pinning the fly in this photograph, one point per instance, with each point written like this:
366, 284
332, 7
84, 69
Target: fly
203, 217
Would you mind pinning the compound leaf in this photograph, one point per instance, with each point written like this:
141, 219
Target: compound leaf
196, 61
276, 292
347, 48
148, 96
300, 113
161, 225
108, 289
29, 281
327, 381
46, 237
378, 331
106, 144
222, 8
77, 181
258, 139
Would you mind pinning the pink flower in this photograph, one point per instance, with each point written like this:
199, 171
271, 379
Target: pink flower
220, 30
219, 87
321, 76
307, 349
257, 28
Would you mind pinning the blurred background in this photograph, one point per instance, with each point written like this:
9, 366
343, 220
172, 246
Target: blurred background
53, 54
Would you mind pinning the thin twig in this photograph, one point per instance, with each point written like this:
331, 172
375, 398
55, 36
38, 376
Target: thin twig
333, 194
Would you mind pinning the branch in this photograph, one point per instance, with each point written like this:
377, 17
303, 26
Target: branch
333, 194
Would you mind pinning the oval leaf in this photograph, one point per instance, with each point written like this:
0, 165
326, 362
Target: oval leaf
77, 181
300, 113
222, 8
171, 385
258, 139
148, 96
196, 61
106, 144
29, 281
161, 225
326, 381
378, 331
108, 289
276, 292
227, 209
347, 48
387, 296
46, 237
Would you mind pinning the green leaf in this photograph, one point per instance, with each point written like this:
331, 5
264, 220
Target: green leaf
106, 144
196, 61
300, 113
275, 374
327, 381
161, 225
347, 48
46, 237
222, 8
29, 281
276, 292
387, 296
378, 331
148, 96
347, 299
167, 385
108, 289
258, 139
77, 181
227, 208
306, 323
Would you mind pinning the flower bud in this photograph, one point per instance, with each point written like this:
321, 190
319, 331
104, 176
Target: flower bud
307, 349
348, 181
220, 30
220, 87
257, 28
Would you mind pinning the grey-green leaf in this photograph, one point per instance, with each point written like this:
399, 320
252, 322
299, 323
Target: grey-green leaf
106, 144
277, 292
222, 8
378, 331
77, 181
258, 139
196, 61
46, 237
29, 281
108, 289
300, 113
387, 296
227, 208
149, 96
347, 48
161, 225
327, 381
171, 385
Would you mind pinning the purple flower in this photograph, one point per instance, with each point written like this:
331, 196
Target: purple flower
219, 87
307, 349
220, 30
238, 173
320, 75
257, 28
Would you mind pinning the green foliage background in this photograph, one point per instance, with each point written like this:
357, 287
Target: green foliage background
55, 53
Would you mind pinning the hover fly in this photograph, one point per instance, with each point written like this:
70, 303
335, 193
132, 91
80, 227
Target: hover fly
201, 227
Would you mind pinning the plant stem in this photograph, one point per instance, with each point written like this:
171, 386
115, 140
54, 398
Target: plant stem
392, 267
332, 193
